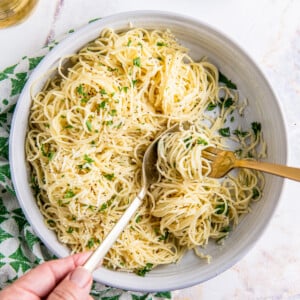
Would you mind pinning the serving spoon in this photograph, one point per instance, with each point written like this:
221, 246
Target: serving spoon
149, 175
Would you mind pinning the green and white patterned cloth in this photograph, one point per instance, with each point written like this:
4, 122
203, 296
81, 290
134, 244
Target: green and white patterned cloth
20, 248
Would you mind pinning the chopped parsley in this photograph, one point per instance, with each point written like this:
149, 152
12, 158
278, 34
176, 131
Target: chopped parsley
109, 176
225, 131
103, 92
255, 193
226, 103
103, 207
80, 90
70, 230
187, 141
138, 219
124, 88
226, 229
221, 209
51, 222
137, 62
35, 185
102, 105
129, 42
90, 243
201, 141
109, 122
88, 159
240, 133
256, 127
69, 194
164, 236
142, 272
84, 100
88, 125
226, 81
113, 112
211, 106
48, 154
69, 126
134, 82
161, 44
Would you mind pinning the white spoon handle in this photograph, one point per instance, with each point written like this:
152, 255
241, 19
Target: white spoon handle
95, 259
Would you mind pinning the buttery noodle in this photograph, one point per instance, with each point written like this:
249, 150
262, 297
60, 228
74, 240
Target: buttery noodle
90, 126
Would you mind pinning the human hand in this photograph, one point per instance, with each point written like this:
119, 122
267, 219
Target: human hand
56, 279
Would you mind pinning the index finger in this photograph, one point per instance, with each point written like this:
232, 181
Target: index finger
41, 280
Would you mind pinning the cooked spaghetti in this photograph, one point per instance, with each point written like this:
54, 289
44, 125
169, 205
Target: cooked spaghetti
90, 126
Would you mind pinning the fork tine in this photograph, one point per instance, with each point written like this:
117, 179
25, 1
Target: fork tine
213, 150
208, 155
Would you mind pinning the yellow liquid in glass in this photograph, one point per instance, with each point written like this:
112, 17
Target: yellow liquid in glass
15, 11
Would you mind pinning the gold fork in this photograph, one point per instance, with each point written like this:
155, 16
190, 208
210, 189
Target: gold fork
222, 161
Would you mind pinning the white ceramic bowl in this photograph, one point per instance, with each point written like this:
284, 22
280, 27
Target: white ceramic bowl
263, 107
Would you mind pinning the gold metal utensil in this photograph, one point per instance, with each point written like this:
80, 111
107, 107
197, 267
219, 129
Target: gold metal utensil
222, 161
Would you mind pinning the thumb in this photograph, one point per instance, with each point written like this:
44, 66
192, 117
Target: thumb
76, 286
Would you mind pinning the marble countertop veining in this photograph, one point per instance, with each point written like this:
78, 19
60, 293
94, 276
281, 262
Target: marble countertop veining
269, 30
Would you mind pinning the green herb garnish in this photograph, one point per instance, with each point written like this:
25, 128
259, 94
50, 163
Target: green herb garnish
109, 122
226, 229
142, 272
51, 222
69, 126
134, 82
240, 133
102, 105
221, 209
90, 243
201, 141
161, 44
225, 131
88, 125
35, 185
80, 90
226, 103
256, 127
88, 159
113, 112
211, 106
48, 154
255, 193
103, 206
137, 62
109, 176
164, 236
226, 81
70, 230
69, 194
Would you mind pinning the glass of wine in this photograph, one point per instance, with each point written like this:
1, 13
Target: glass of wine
15, 11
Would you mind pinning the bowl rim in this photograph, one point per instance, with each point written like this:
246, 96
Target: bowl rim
46, 61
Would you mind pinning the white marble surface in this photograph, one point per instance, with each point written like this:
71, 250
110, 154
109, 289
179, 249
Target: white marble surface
269, 30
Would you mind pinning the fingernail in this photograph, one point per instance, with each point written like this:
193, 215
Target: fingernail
81, 277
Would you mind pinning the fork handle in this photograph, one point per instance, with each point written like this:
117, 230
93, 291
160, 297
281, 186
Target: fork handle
279, 170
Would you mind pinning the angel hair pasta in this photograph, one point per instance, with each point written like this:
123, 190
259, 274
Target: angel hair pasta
90, 126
